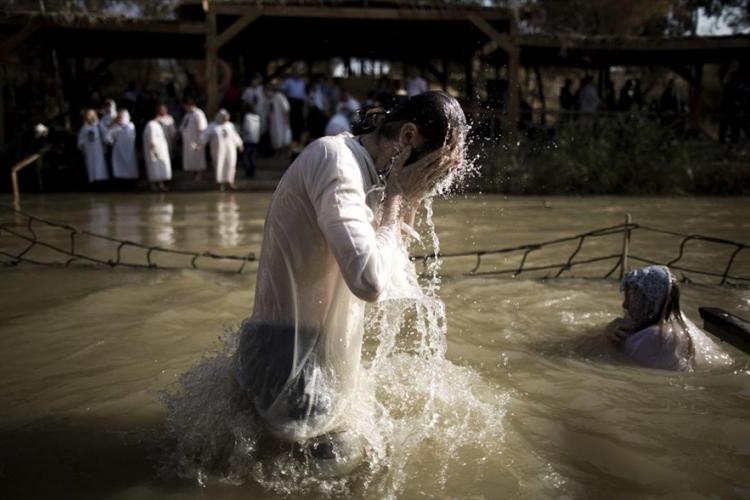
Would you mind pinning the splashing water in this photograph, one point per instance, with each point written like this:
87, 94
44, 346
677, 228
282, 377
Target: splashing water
410, 404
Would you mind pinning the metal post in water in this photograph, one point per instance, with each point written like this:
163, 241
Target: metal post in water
625, 247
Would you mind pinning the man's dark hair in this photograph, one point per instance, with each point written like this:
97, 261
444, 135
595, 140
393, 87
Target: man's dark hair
437, 115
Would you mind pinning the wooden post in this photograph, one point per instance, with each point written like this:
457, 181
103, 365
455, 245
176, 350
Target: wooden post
625, 247
14, 177
212, 71
540, 93
696, 91
514, 63
446, 75
469, 80
2, 109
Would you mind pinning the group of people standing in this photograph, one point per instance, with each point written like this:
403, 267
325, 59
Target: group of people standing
108, 143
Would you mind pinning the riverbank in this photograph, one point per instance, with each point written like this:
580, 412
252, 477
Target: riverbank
634, 155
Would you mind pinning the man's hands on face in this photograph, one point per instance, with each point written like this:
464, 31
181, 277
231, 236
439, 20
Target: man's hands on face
416, 180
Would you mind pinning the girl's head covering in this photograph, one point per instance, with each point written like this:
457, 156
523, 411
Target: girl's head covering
654, 284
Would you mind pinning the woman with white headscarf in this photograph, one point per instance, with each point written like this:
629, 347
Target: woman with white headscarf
654, 332
224, 141
121, 135
90, 144
156, 153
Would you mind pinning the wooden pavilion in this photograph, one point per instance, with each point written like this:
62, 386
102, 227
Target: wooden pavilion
409, 31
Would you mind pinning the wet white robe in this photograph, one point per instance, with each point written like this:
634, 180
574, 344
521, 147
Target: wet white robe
224, 141
124, 160
156, 153
278, 122
193, 153
90, 143
322, 259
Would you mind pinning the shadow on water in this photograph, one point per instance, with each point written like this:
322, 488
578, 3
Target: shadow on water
590, 345
79, 459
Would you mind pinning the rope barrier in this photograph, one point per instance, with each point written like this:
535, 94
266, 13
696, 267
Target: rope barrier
628, 229
73, 255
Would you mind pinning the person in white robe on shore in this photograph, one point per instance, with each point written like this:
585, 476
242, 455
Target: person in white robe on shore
91, 145
193, 150
170, 127
255, 96
224, 141
278, 120
339, 122
121, 135
156, 153
107, 116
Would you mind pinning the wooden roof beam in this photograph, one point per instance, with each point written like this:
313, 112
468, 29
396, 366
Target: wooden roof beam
234, 29
360, 13
17, 39
497, 40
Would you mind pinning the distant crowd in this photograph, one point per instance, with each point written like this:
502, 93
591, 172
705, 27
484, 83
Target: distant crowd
734, 108
270, 118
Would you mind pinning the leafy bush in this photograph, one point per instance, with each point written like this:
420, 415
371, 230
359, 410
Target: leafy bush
632, 154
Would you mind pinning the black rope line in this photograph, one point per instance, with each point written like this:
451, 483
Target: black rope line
72, 254
581, 238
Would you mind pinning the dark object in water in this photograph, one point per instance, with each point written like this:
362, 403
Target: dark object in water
727, 327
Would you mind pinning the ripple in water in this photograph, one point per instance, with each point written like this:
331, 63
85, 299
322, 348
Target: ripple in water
413, 409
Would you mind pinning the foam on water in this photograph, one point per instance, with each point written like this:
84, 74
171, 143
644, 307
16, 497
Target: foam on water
410, 402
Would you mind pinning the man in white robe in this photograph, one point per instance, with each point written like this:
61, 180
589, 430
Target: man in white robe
255, 96
156, 153
193, 150
170, 128
278, 120
331, 234
90, 144
224, 141
121, 135
339, 122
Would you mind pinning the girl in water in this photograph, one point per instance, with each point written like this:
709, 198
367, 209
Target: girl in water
654, 332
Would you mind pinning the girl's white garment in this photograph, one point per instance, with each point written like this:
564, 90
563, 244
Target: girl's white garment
156, 153
323, 257
668, 348
122, 137
90, 143
224, 142
666, 343
193, 152
278, 122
